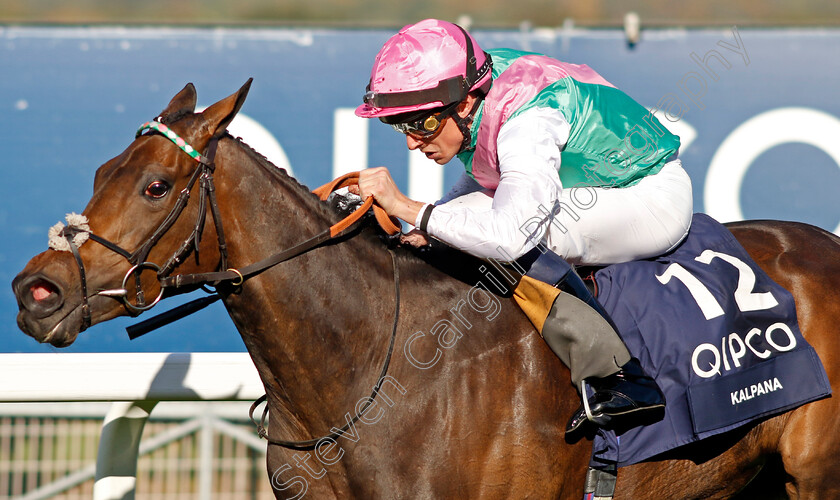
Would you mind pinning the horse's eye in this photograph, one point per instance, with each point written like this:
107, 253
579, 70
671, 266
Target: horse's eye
157, 189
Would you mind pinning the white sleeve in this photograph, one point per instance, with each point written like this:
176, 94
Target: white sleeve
529, 147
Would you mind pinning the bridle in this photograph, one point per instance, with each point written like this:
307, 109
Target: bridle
203, 175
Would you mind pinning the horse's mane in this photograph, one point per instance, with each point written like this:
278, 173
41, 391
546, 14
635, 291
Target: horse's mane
283, 176
334, 209
439, 255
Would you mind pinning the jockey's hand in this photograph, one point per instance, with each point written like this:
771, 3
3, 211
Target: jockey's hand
415, 238
377, 182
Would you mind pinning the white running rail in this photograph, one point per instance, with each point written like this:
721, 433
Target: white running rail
136, 383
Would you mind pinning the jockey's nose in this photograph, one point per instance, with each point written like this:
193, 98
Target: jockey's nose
412, 142
37, 294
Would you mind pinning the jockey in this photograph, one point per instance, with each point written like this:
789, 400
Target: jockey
556, 158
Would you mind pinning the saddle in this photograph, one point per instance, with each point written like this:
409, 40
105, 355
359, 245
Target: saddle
719, 336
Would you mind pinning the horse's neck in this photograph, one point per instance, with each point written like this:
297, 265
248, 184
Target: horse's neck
310, 323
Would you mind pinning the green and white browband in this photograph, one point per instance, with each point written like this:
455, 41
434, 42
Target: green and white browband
172, 136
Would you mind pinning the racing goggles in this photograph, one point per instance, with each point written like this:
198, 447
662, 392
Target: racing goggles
426, 126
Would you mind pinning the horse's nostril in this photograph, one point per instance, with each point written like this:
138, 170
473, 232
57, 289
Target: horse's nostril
39, 296
41, 290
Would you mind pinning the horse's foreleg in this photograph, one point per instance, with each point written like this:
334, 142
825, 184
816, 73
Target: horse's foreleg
808, 448
295, 474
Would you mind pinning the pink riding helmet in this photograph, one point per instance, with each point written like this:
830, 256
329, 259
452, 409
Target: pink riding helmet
424, 66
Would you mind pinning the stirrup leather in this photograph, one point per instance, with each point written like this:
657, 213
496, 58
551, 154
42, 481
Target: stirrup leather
600, 483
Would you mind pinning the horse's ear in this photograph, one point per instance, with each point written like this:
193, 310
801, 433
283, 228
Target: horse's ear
218, 116
183, 102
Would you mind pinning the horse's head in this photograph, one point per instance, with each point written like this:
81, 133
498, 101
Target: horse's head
106, 263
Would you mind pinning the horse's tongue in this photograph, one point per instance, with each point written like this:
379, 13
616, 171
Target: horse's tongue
40, 292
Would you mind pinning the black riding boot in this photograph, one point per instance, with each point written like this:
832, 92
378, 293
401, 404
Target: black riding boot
626, 398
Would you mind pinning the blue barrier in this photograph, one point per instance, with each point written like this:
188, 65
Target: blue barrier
756, 110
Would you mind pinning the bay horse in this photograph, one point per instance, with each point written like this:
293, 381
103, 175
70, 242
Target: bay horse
473, 404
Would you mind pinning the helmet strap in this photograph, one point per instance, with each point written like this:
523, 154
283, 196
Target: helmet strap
472, 72
473, 75
465, 124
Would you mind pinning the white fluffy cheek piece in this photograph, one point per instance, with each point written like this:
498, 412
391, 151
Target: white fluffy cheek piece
58, 242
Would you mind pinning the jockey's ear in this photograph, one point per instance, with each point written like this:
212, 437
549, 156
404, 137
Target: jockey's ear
183, 102
218, 116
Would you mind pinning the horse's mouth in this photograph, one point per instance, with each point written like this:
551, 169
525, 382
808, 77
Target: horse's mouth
62, 333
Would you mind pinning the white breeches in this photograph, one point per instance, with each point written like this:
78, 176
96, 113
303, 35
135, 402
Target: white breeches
599, 226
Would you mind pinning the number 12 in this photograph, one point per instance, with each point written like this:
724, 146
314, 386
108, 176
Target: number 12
745, 297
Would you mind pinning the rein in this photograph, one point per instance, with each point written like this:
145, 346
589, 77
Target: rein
204, 173
328, 234
335, 433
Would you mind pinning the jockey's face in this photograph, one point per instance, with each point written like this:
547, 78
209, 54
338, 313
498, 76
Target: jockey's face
444, 145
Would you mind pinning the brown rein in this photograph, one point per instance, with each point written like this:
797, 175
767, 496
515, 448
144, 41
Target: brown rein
335, 433
239, 275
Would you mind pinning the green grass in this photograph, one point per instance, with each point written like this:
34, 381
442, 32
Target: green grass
391, 14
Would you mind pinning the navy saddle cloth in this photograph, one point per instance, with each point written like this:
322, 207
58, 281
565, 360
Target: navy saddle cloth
718, 335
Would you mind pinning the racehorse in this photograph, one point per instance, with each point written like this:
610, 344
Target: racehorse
472, 404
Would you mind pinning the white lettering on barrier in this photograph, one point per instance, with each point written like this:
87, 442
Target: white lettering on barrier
729, 165
350, 142
259, 138
350, 154
425, 178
